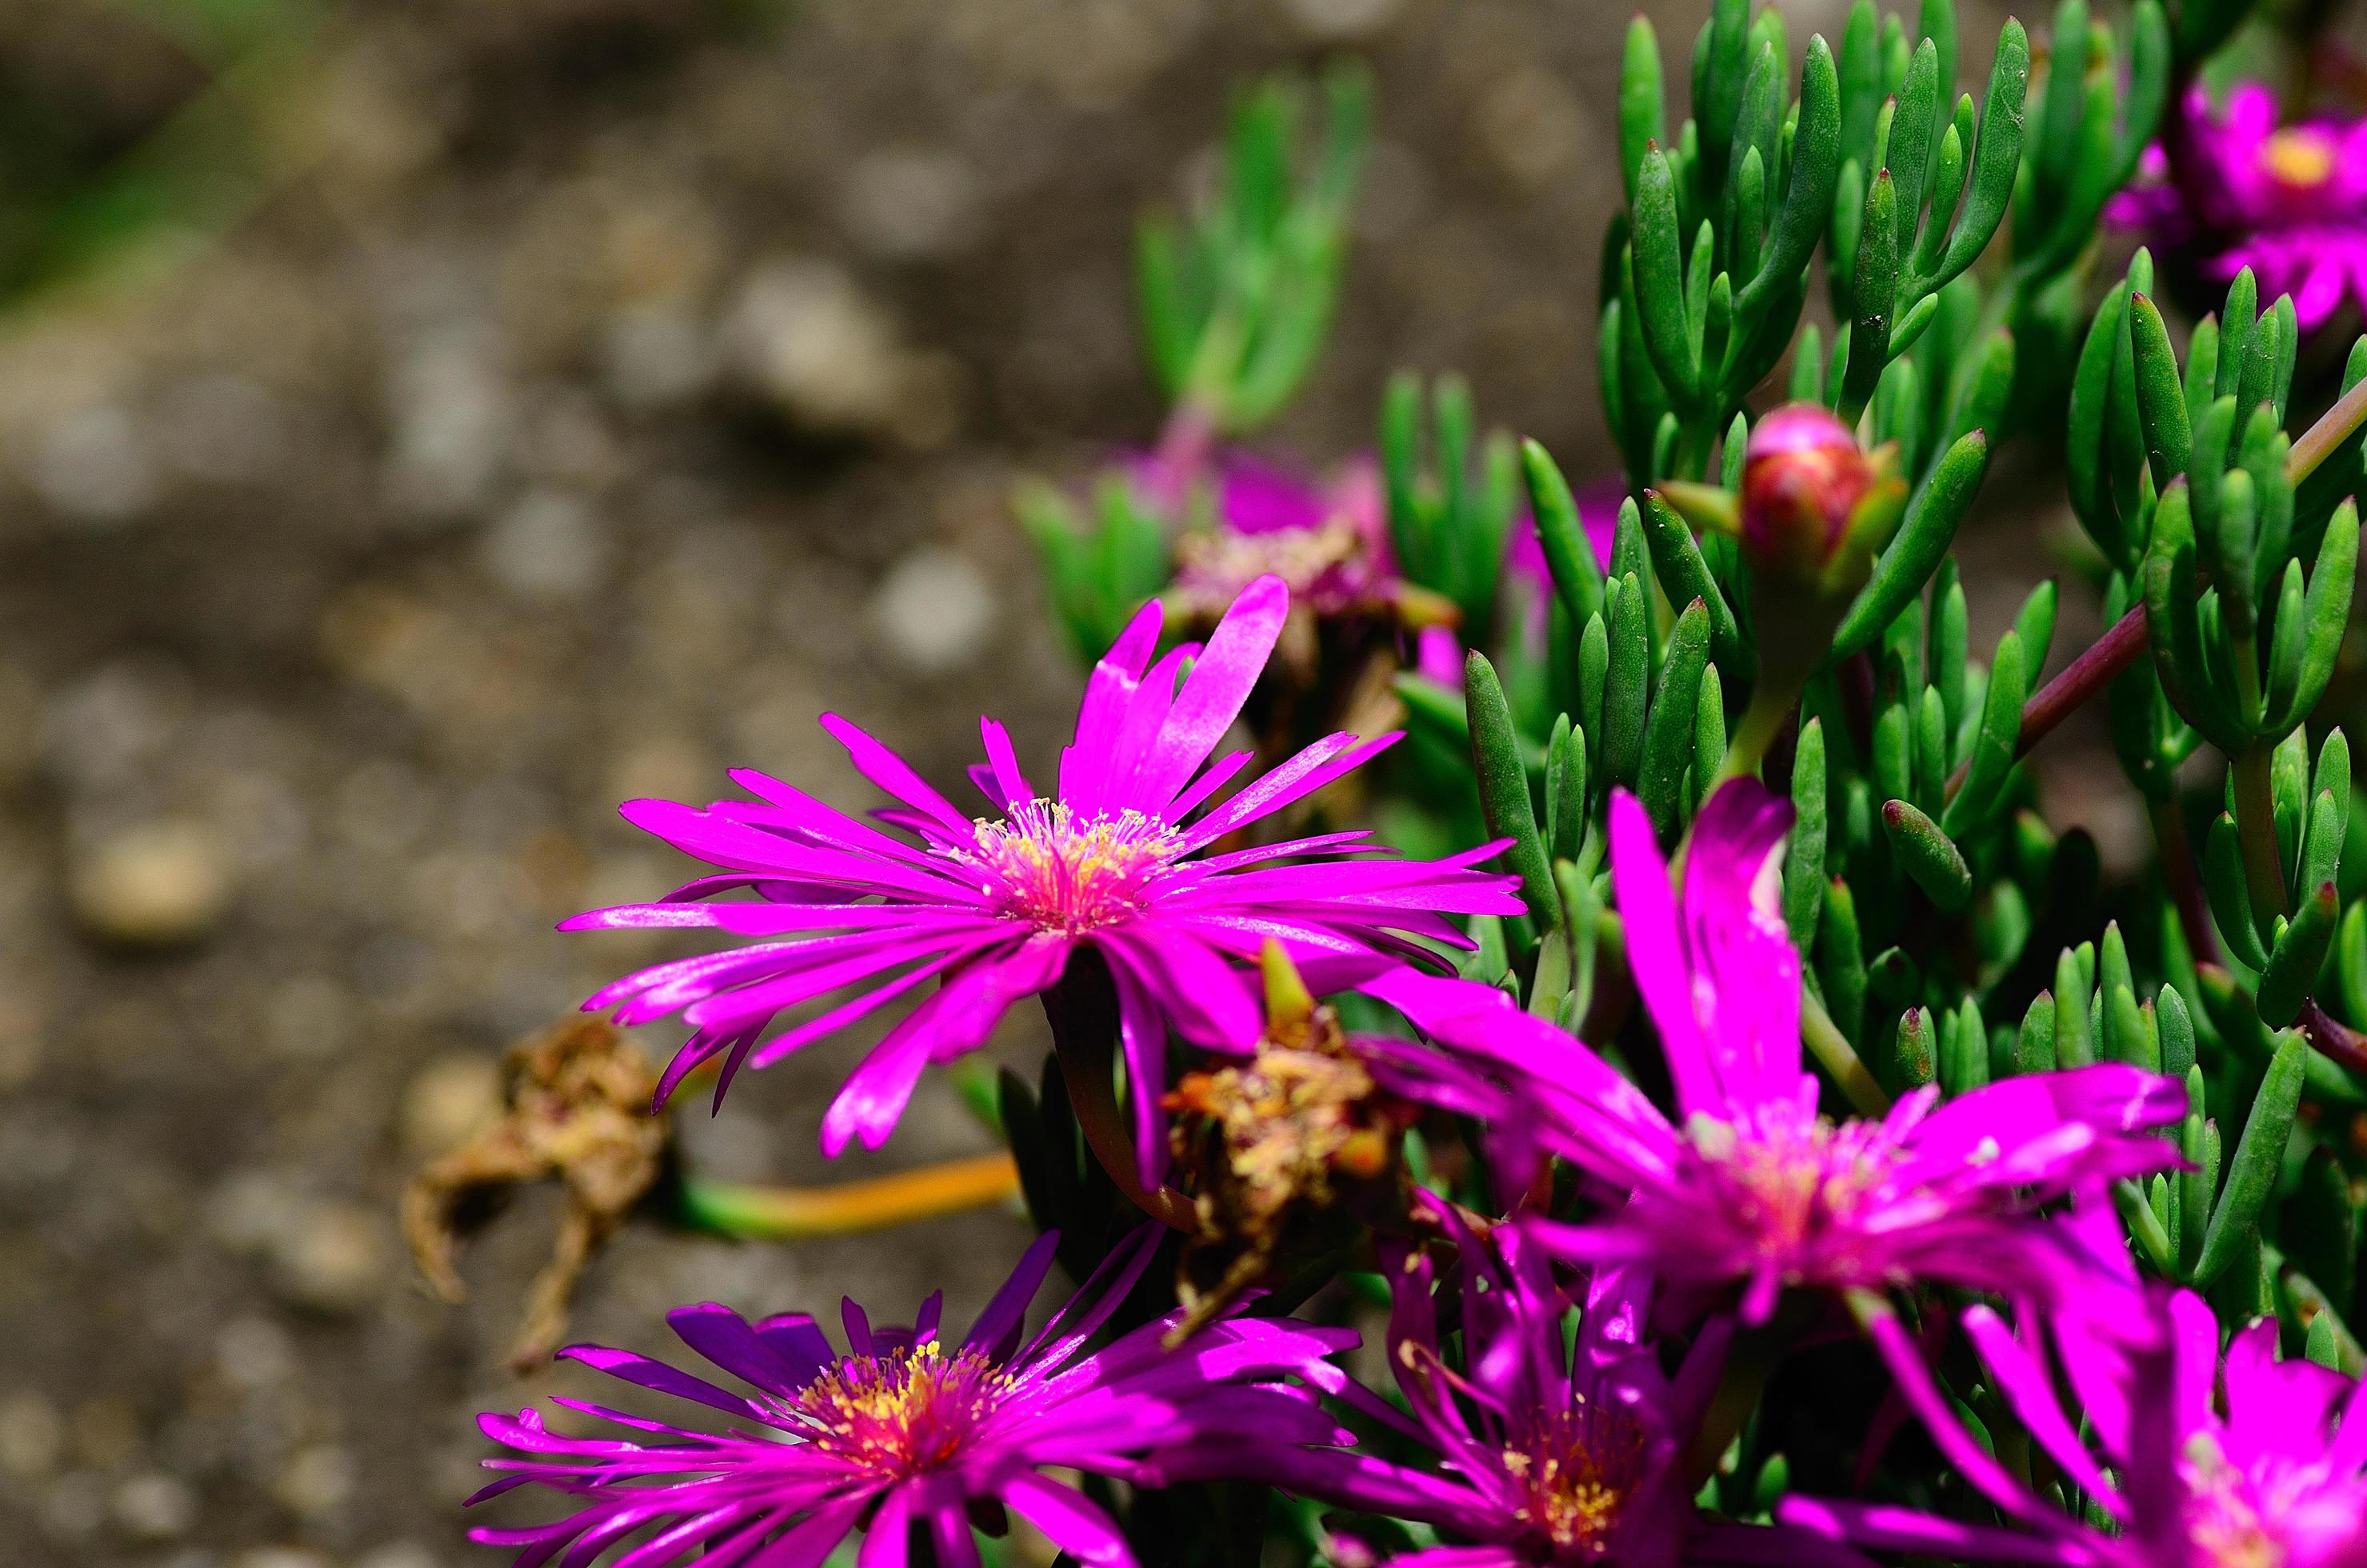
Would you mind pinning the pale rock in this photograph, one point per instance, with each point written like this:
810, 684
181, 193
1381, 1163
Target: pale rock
806, 338
933, 610
550, 547
153, 1505
910, 203
94, 467
448, 1101
156, 884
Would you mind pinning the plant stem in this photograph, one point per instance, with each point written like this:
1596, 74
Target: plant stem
1082, 1010
2336, 425
783, 1213
2178, 874
2086, 675
1751, 1362
2145, 1226
2338, 1043
1755, 731
2256, 831
1836, 1056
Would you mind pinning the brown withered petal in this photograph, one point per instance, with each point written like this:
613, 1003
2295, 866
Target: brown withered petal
1268, 1146
575, 1110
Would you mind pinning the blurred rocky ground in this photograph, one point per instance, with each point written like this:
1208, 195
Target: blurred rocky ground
501, 408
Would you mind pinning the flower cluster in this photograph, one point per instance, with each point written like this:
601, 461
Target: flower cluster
1746, 1130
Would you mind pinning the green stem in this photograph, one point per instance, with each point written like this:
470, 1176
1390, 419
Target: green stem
783, 1214
1751, 1362
1836, 1056
2256, 832
1756, 731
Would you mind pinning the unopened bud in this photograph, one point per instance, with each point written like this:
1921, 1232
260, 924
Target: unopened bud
1815, 505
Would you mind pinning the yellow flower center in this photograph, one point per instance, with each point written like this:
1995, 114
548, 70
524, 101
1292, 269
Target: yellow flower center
1791, 1178
2298, 158
1044, 864
901, 1413
1575, 1471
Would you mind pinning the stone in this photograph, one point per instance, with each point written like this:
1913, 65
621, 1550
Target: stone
156, 884
550, 547
1337, 21
32, 1438
93, 465
808, 339
399, 1554
933, 610
654, 356
153, 1505
452, 413
449, 1101
331, 1259
910, 203
221, 429
316, 1480
254, 1353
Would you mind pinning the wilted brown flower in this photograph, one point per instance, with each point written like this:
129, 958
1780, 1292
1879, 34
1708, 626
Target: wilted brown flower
1276, 1148
575, 1110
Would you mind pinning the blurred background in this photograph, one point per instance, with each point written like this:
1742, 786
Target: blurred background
426, 424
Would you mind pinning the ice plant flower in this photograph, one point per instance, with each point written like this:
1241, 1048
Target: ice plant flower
2198, 1462
904, 1433
1111, 860
1749, 1186
1552, 1451
2233, 188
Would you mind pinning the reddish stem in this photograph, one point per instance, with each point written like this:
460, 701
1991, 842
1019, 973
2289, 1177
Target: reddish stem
2185, 887
2089, 674
2343, 1046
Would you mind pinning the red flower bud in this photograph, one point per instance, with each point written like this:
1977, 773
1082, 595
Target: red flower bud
1805, 480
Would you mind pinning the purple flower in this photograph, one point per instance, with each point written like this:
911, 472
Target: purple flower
2233, 188
995, 907
2270, 1470
902, 1432
1750, 1185
1551, 1451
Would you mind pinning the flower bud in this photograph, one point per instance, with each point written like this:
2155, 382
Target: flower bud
1815, 505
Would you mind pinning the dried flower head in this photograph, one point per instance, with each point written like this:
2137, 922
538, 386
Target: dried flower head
1298, 1136
575, 1110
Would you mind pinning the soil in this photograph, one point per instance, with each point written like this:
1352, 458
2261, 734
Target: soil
567, 401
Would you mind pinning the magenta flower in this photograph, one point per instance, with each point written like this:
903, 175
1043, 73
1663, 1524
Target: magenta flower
2233, 188
1111, 861
902, 1433
1328, 541
1551, 1451
1749, 1186
2269, 1469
